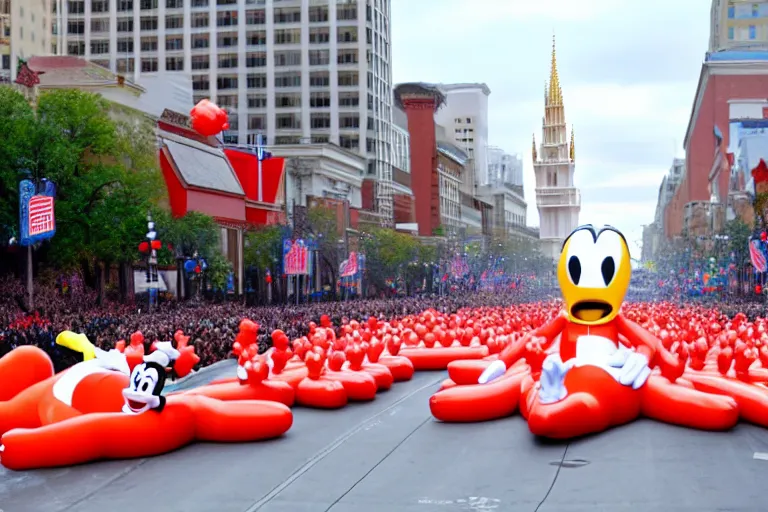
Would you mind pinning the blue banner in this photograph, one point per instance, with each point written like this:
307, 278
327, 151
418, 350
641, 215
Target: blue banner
36, 212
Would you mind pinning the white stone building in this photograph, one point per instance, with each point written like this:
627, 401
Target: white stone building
557, 198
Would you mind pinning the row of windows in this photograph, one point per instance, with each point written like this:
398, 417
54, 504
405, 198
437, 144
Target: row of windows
281, 15
293, 100
747, 10
750, 33
289, 79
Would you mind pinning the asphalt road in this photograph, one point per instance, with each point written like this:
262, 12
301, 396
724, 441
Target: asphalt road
391, 456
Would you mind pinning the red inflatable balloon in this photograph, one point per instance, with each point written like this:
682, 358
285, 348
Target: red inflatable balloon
208, 119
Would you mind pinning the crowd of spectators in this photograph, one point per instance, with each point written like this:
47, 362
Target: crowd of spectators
211, 327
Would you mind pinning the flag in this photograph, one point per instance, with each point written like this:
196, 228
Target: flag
40, 215
757, 256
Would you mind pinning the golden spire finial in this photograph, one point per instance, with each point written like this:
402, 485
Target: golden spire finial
573, 147
555, 92
533, 151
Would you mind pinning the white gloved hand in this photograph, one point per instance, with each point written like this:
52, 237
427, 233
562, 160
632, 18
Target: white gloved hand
166, 347
631, 367
495, 370
112, 360
552, 380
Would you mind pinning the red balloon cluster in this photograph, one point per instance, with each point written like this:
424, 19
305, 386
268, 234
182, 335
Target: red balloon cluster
155, 245
208, 119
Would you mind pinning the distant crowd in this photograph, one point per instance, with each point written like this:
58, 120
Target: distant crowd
212, 327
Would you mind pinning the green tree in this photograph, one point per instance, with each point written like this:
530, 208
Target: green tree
17, 124
193, 234
262, 247
324, 229
106, 176
387, 254
218, 271
738, 233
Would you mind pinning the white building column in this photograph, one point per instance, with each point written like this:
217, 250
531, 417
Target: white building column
187, 24
333, 71
136, 42
306, 131
213, 51
160, 35
242, 76
112, 36
269, 13
87, 30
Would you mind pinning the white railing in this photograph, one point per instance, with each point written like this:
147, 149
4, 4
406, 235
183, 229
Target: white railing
552, 197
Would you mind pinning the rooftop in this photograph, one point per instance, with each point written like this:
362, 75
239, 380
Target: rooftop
736, 55
69, 71
461, 86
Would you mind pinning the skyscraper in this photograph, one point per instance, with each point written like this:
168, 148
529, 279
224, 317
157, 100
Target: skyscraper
292, 70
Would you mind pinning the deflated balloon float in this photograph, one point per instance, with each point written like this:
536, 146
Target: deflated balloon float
208, 119
102, 408
608, 370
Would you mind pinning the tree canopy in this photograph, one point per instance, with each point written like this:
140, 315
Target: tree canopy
105, 172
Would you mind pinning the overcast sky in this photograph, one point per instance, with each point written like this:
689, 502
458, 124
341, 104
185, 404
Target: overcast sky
628, 70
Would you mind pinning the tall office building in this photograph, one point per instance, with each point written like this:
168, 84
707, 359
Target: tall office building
25, 31
294, 71
738, 24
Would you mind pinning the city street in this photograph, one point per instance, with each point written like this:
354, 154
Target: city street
391, 455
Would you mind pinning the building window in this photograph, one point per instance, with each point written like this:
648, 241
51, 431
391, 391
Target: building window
319, 79
174, 22
255, 18
755, 11
287, 100
124, 45
752, 32
149, 65
320, 121
174, 63
320, 99
174, 43
730, 33
319, 57
731, 12
318, 14
256, 60
320, 35
99, 47
257, 101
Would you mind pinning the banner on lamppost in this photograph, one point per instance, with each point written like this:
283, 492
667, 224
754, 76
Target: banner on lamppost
36, 212
295, 257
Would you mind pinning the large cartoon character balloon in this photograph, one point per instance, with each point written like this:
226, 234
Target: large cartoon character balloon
208, 119
602, 373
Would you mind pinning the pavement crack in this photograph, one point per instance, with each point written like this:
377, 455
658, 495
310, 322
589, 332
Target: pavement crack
557, 473
385, 457
319, 456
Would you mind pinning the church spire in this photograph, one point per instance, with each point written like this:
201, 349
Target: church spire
555, 92
572, 152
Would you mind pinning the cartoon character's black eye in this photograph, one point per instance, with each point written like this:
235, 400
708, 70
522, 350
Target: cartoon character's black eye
608, 268
136, 380
574, 268
145, 387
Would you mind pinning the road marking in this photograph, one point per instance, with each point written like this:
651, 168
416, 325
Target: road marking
477, 503
760, 456
332, 447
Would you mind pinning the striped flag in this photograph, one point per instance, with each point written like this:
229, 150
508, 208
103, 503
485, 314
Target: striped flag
41, 219
757, 256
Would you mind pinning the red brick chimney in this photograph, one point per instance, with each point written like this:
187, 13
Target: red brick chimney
420, 102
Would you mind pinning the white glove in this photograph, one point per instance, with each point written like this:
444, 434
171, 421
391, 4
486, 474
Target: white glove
552, 379
631, 368
166, 347
111, 360
495, 370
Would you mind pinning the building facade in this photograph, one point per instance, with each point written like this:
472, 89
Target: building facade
738, 24
731, 88
25, 31
557, 199
504, 168
294, 71
465, 117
